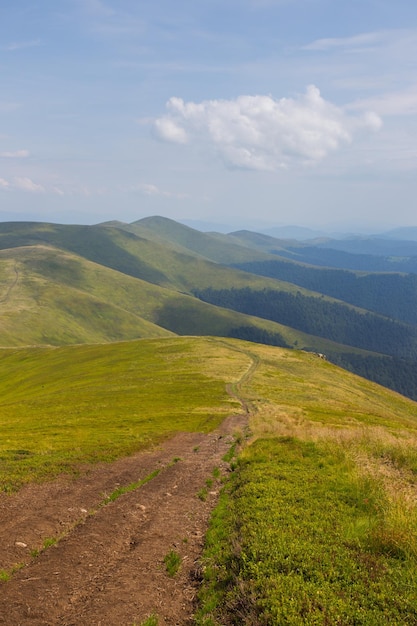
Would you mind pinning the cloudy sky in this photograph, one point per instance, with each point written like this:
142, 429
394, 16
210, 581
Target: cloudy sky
242, 112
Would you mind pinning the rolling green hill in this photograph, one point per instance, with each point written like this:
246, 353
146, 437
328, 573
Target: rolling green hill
129, 386
65, 284
53, 297
389, 293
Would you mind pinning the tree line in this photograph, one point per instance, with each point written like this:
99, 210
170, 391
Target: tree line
323, 318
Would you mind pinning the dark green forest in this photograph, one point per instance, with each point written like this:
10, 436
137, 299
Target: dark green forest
318, 316
393, 295
397, 374
395, 368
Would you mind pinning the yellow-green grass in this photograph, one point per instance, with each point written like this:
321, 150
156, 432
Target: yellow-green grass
52, 297
306, 540
296, 391
215, 246
318, 524
61, 407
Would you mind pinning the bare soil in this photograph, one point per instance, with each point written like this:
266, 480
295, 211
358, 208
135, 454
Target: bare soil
107, 565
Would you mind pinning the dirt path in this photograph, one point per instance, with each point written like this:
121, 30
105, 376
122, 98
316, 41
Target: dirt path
107, 568
10, 288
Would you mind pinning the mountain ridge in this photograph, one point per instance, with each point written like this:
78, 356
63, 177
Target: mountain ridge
116, 281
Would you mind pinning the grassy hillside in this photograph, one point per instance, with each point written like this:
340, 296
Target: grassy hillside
391, 294
64, 406
129, 281
53, 297
214, 247
317, 523
141, 297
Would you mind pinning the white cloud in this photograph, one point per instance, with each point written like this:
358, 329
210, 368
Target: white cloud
17, 154
403, 102
23, 183
27, 184
262, 133
357, 41
169, 130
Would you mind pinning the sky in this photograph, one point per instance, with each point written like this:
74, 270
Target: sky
249, 113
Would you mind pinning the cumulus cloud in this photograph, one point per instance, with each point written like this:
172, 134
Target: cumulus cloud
262, 133
27, 184
4, 184
17, 154
169, 130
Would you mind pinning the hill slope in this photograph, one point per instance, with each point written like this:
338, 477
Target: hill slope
155, 275
317, 518
49, 296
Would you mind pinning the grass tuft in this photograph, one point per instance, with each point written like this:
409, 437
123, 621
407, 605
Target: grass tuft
172, 562
120, 491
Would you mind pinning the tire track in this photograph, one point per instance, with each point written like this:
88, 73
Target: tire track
6, 297
108, 569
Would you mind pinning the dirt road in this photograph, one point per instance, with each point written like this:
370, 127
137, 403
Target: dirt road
107, 567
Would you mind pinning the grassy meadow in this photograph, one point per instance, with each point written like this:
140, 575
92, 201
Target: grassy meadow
318, 522
61, 407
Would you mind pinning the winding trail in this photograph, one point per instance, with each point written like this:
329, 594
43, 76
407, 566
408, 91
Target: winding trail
10, 288
107, 565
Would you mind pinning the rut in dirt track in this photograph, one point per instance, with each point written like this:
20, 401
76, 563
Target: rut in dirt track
108, 567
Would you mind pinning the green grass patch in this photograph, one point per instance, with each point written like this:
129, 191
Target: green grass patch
49, 542
131, 487
172, 562
82, 404
202, 494
4, 576
216, 473
300, 537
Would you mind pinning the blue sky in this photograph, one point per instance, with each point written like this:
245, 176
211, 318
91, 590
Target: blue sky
244, 112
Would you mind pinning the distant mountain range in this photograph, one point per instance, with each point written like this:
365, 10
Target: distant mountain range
354, 300
301, 233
